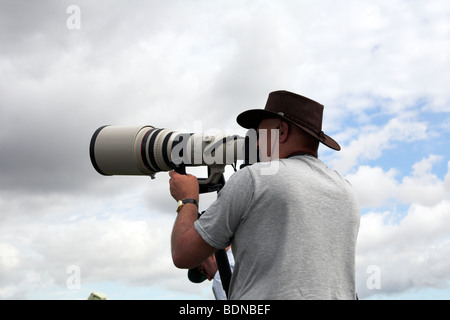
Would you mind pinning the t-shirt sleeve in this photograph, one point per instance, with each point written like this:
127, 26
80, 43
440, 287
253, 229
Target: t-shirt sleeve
220, 221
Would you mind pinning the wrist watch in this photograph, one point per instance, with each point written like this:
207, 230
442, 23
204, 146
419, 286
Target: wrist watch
181, 203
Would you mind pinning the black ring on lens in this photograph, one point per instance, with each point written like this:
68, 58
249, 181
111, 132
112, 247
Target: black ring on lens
92, 150
165, 152
151, 153
145, 160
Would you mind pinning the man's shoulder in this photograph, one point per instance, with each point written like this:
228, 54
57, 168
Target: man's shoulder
284, 168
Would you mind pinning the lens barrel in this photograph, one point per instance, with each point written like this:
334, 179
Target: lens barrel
146, 150
113, 150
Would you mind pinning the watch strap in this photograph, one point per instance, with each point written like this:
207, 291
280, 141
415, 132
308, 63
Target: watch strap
184, 201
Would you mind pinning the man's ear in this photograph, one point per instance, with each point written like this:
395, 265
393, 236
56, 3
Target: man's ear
284, 131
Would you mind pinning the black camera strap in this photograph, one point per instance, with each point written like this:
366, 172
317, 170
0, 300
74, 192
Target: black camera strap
223, 265
224, 269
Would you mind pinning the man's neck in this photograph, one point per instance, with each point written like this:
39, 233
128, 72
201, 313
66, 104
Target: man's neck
302, 153
298, 151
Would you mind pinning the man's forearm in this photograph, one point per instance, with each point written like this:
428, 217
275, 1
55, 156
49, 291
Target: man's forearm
184, 221
188, 247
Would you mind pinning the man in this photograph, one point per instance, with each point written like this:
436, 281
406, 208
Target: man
293, 232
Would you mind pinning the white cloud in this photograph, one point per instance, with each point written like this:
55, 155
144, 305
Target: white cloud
171, 64
9, 259
410, 253
409, 247
372, 140
424, 187
373, 186
120, 248
377, 188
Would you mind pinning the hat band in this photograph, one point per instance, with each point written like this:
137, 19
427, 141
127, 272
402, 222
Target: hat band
321, 134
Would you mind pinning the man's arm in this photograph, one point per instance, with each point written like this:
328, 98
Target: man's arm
188, 247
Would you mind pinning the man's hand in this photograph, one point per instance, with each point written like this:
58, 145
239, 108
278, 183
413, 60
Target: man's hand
208, 267
183, 186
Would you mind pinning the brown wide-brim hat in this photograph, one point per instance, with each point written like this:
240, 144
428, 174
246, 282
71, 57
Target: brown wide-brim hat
293, 108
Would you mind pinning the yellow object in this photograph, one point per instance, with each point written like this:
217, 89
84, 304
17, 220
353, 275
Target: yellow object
97, 296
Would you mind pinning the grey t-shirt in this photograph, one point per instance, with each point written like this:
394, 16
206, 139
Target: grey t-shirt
292, 227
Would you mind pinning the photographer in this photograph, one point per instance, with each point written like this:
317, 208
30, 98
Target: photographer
292, 230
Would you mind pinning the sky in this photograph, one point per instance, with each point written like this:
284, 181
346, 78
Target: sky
380, 68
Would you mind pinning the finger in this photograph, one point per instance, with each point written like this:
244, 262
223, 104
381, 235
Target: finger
172, 173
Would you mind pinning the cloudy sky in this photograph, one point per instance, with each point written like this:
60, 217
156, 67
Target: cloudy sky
381, 68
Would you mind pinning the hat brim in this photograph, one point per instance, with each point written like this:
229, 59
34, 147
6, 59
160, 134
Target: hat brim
251, 119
